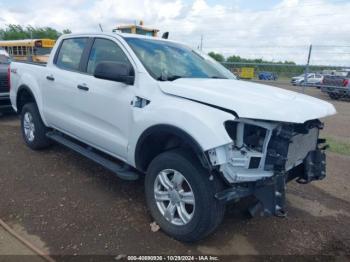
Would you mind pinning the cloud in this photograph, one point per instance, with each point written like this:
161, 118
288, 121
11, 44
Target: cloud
280, 32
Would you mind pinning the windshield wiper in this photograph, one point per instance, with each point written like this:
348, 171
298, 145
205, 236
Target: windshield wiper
169, 78
218, 77
174, 77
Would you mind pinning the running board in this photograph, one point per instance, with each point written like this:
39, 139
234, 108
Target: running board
122, 171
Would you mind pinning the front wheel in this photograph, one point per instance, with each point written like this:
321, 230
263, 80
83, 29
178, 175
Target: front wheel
181, 196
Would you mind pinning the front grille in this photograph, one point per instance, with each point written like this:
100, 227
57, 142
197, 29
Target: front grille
289, 146
4, 85
300, 146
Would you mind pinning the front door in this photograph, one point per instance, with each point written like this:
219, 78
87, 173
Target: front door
103, 107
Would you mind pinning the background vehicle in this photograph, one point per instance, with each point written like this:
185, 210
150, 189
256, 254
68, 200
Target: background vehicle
139, 105
337, 85
267, 76
5, 103
338, 79
32, 50
313, 79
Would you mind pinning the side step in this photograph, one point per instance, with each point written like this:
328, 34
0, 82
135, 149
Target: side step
122, 171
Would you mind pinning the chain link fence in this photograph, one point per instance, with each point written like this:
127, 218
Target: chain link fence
333, 80
256, 71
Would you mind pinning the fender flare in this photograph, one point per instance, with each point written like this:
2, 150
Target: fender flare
21, 89
173, 130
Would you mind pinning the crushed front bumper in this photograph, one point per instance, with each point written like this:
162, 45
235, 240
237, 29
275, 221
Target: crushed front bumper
287, 152
270, 192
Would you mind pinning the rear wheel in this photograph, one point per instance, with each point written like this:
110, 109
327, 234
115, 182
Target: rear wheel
333, 96
181, 197
33, 129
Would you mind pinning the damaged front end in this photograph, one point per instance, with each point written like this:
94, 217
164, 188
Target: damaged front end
264, 156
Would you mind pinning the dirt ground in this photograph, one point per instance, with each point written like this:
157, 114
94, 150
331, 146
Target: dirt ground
66, 204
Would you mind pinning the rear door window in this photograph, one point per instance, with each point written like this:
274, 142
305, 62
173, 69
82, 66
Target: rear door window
70, 53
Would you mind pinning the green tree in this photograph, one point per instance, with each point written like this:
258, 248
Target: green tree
218, 57
238, 59
14, 32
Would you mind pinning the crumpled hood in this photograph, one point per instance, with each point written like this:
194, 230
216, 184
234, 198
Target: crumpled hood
250, 100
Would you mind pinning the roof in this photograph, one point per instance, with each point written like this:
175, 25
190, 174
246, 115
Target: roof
123, 35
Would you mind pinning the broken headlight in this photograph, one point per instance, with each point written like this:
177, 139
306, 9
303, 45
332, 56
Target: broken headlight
243, 160
246, 135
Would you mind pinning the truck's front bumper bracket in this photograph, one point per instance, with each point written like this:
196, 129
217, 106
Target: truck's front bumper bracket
314, 167
270, 192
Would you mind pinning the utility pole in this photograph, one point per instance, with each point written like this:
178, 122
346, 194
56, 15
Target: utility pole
307, 68
100, 27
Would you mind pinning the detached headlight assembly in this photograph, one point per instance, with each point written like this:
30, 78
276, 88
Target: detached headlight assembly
243, 160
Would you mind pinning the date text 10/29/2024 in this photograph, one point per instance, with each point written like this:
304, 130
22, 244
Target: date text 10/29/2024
173, 258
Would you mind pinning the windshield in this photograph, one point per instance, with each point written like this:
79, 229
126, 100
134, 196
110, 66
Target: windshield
167, 61
303, 75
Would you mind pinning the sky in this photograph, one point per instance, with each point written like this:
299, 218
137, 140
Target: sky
274, 30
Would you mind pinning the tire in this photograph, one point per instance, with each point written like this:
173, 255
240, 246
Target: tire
33, 129
333, 96
206, 213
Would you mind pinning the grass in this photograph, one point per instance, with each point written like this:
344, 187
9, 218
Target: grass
337, 146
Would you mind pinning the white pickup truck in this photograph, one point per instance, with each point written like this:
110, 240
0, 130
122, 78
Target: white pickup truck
146, 106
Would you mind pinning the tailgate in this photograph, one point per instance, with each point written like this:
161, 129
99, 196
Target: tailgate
4, 84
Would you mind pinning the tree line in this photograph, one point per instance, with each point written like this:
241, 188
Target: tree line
237, 59
16, 32
282, 68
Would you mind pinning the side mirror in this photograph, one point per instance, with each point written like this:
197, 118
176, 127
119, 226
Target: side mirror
165, 35
114, 71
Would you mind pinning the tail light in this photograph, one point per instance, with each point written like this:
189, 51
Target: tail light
345, 82
9, 77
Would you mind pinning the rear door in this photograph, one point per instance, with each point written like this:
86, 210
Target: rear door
60, 84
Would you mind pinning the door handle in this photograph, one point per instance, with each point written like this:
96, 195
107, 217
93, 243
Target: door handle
83, 87
50, 77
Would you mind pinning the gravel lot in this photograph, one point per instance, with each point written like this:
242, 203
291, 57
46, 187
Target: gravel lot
66, 204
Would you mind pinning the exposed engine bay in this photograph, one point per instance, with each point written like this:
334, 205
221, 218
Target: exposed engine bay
264, 155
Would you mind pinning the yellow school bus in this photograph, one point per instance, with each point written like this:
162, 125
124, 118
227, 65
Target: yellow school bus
32, 50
